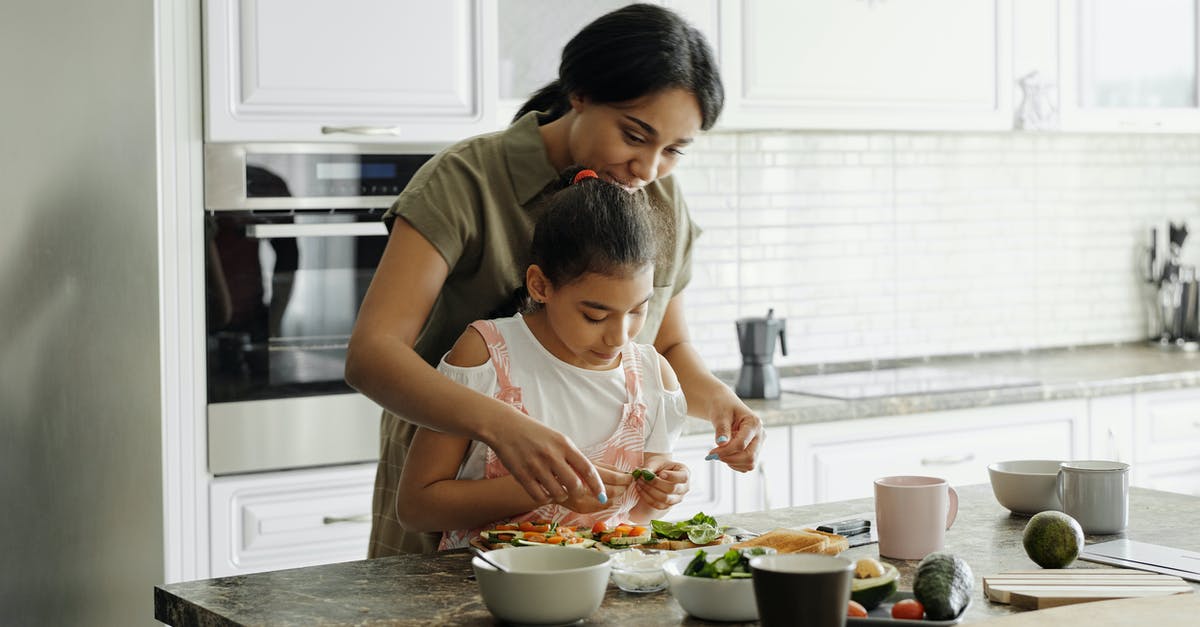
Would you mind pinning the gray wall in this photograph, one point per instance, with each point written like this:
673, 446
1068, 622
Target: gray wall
80, 426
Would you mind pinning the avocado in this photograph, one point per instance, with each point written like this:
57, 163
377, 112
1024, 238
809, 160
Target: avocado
871, 591
943, 585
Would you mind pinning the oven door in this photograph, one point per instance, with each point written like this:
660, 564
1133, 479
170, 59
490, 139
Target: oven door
282, 291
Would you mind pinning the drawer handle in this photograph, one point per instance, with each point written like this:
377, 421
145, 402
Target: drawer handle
947, 460
357, 518
361, 130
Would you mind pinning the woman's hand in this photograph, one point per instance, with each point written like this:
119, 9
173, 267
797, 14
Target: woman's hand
616, 484
739, 431
670, 484
546, 463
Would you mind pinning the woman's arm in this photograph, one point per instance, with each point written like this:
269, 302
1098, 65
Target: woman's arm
707, 397
382, 364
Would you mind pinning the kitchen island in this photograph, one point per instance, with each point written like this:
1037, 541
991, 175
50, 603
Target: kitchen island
438, 589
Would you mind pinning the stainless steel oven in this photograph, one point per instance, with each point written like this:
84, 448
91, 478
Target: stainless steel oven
293, 236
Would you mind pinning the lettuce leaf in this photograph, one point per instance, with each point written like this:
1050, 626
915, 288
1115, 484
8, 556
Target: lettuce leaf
700, 529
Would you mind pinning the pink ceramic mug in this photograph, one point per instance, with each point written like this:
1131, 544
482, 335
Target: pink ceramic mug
912, 515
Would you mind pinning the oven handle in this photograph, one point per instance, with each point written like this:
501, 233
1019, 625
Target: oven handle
361, 130
340, 229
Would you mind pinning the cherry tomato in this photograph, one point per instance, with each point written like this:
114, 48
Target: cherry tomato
910, 609
599, 527
856, 610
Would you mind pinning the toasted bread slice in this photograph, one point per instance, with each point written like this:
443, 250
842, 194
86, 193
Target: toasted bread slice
798, 541
683, 545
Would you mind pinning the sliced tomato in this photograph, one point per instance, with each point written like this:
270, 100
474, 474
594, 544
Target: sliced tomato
637, 531
526, 526
507, 527
606, 537
554, 540
534, 537
536, 528
505, 537
599, 527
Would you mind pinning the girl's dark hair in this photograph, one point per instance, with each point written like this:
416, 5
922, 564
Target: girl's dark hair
593, 226
631, 52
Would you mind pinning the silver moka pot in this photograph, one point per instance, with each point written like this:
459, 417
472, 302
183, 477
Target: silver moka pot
758, 377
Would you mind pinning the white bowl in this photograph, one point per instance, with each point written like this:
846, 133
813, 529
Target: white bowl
1026, 486
711, 599
546, 585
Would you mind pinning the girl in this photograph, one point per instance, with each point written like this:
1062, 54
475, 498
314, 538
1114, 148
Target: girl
571, 362
635, 87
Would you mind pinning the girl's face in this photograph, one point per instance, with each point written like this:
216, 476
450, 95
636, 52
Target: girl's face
586, 322
636, 142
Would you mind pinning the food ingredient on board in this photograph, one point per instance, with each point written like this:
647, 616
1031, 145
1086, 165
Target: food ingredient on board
943, 585
699, 529
856, 610
873, 582
799, 541
734, 564
1052, 539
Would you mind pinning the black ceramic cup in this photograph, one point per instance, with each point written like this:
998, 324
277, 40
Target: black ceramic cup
802, 589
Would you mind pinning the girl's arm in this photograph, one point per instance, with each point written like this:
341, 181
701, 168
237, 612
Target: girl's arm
739, 431
382, 364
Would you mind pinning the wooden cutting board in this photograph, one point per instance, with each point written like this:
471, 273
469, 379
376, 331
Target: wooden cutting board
1038, 589
1171, 611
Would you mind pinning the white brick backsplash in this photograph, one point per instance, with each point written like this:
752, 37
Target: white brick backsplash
878, 246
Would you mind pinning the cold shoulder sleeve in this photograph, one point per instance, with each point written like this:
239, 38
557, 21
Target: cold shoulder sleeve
481, 378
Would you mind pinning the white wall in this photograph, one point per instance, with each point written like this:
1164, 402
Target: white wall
889, 245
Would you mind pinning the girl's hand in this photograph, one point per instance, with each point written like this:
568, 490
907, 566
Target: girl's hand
670, 484
616, 484
739, 432
546, 463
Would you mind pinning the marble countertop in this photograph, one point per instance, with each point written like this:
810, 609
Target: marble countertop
437, 589
1061, 374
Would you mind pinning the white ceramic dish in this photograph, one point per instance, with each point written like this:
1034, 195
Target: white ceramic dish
1026, 486
640, 570
711, 599
546, 585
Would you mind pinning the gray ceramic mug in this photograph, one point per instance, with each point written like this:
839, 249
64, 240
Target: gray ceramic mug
1095, 493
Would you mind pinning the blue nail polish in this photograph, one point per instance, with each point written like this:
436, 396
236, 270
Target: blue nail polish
723, 439
709, 458
603, 498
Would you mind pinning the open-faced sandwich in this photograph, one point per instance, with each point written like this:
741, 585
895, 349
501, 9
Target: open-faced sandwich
537, 533
699, 530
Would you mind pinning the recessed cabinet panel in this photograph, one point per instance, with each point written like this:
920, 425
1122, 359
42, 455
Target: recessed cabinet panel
301, 70
1167, 426
871, 64
711, 489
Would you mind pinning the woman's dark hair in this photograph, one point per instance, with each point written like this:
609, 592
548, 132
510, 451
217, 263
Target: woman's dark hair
593, 226
631, 52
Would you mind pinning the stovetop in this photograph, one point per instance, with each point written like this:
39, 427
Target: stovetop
862, 384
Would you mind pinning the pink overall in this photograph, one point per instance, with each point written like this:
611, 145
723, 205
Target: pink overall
622, 450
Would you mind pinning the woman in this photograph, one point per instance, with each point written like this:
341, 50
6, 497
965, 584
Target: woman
635, 86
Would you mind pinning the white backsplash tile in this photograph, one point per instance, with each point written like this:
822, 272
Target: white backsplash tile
888, 245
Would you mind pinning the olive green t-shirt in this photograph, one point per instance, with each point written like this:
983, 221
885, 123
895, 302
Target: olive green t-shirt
477, 203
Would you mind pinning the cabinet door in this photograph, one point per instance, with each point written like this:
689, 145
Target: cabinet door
917, 64
841, 460
1129, 65
290, 519
532, 34
360, 70
1167, 426
712, 481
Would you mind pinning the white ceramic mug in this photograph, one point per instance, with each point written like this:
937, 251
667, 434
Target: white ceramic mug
1095, 493
912, 515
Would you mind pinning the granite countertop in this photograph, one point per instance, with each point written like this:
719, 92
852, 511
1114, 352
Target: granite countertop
1060, 374
437, 589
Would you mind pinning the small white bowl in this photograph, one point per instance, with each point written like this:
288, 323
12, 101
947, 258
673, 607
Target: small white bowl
546, 585
711, 599
640, 570
1026, 486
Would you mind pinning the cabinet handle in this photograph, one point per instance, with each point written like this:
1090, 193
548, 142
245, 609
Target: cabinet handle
361, 130
357, 518
947, 460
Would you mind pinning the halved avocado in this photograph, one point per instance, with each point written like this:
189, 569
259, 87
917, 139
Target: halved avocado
871, 591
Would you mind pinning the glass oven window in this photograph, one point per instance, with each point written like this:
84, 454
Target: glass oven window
283, 290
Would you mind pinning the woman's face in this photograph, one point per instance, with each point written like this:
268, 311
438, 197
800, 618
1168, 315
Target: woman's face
636, 142
591, 318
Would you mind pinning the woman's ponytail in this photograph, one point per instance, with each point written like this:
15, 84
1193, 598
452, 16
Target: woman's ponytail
549, 99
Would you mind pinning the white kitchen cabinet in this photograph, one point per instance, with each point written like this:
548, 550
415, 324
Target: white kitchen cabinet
841, 460
367, 70
712, 482
532, 34
1129, 65
290, 519
918, 64
1111, 428
716, 489
1166, 440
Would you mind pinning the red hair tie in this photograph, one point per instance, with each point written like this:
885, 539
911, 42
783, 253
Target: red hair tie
584, 174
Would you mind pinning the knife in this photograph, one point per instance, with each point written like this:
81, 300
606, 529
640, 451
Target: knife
859, 529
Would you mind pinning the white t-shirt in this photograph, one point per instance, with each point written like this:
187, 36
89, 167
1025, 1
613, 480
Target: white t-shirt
583, 404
